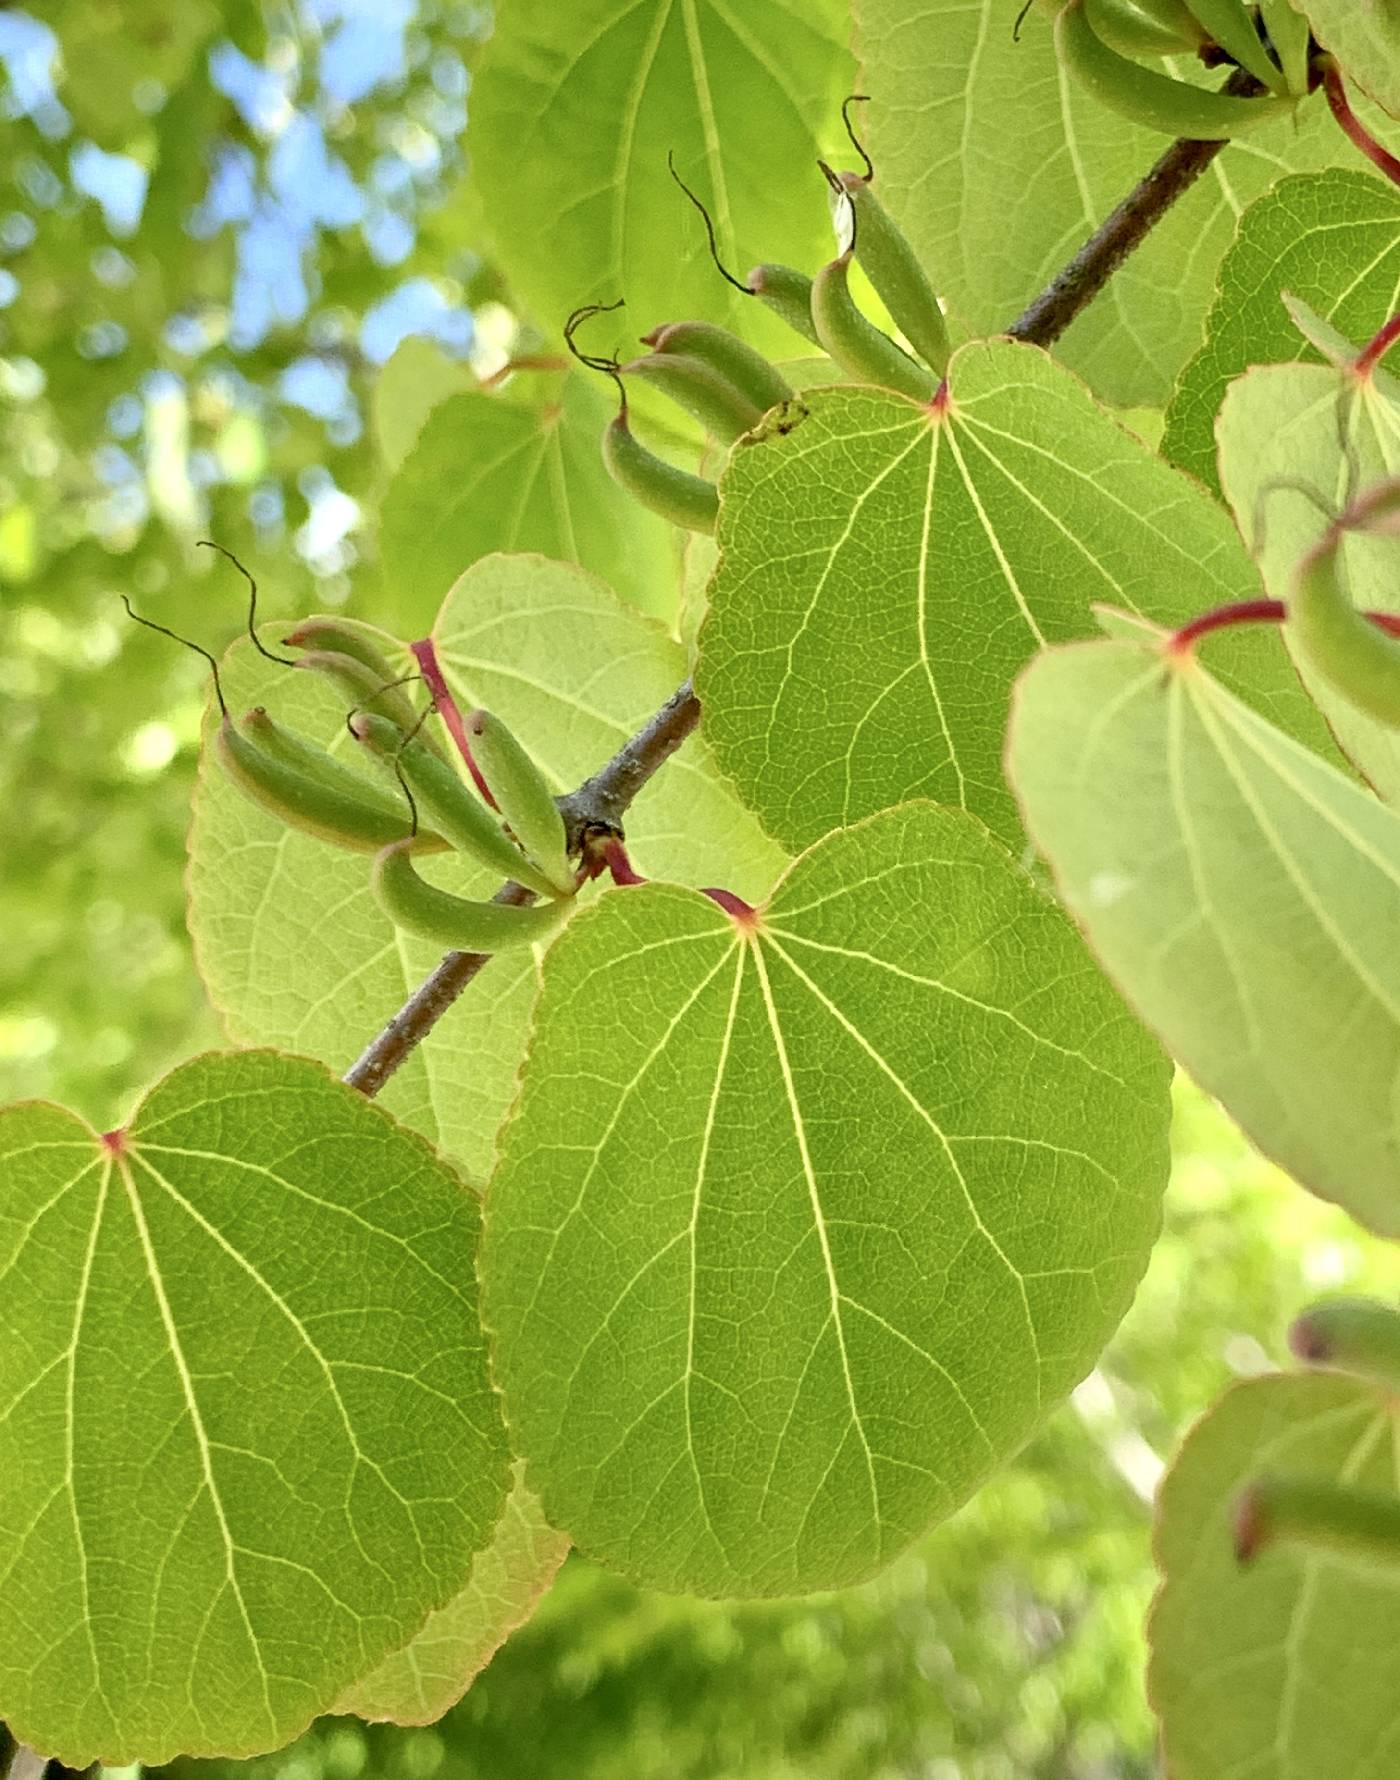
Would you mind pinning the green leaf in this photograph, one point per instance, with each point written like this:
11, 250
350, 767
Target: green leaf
802, 1226
1297, 443
246, 1430
599, 93
414, 380
1331, 239
1365, 39
417, 1684
885, 572
488, 473
293, 948
1243, 894
999, 166
1278, 1671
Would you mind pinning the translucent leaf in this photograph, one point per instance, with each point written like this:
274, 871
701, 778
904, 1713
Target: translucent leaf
1331, 239
291, 945
414, 380
1364, 36
246, 1432
1242, 893
1297, 444
1284, 1669
743, 92
416, 1685
886, 570
999, 165
487, 474
800, 1229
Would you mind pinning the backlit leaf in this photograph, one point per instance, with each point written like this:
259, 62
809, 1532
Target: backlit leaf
1242, 893
886, 569
1331, 239
247, 1440
1283, 1670
575, 109
800, 1229
488, 473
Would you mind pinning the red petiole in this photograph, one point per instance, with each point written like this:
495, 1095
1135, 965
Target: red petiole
425, 654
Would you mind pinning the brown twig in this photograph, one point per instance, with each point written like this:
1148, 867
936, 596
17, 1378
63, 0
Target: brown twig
1071, 291
604, 798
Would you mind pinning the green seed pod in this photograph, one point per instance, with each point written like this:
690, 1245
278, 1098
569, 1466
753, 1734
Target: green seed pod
314, 762
1231, 25
685, 499
893, 268
1359, 1526
1291, 36
1148, 97
788, 293
1356, 1335
361, 826
446, 800
421, 908
362, 685
857, 344
1135, 30
1350, 652
749, 372
724, 411
345, 637
525, 799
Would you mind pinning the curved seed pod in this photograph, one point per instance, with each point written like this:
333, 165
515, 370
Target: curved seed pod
309, 804
1231, 25
314, 762
788, 293
725, 412
1290, 35
893, 268
1356, 1335
448, 802
856, 344
526, 801
1138, 31
363, 686
1148, 97
343, 635
1360, 1525
1354, 655
421, 908
685, 499
749, 372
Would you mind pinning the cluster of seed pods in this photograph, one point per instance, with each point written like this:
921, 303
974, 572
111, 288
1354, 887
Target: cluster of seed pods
408, 798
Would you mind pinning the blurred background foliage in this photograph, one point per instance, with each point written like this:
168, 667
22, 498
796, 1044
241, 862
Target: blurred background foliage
217, 222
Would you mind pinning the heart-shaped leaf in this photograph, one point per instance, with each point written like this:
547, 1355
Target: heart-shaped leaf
487, 474
886, 569
805, 1220
1331, 239
247, 1440
1283, 1670
1243, 894
599, 92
